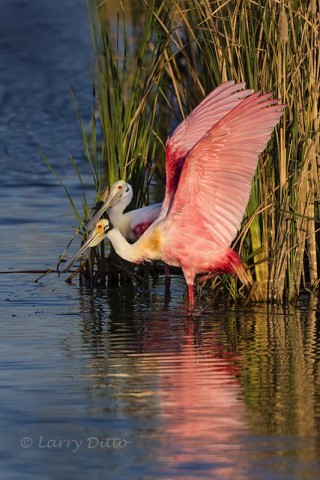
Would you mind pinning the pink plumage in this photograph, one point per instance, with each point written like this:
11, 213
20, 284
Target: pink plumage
189, 132
142, 218
210, 162
214, 188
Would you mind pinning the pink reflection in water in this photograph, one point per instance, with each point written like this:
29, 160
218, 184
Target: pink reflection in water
201, 410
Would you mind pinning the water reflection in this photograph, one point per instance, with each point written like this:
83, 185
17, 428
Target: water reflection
218, 395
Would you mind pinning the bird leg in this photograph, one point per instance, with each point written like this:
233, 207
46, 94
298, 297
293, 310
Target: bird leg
191, 299
167, 277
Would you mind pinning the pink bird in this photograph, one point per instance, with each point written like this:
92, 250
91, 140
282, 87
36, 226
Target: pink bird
134, 223
210, 162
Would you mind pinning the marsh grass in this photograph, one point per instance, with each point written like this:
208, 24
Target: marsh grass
127, 75
152, 68
272, 46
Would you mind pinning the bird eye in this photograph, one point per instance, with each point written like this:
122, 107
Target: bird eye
119, 187
99, 227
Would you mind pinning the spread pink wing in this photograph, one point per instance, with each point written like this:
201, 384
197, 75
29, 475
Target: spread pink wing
210, 111
142, 218
215, 181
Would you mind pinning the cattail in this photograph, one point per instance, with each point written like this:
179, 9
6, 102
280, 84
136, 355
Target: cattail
283, 27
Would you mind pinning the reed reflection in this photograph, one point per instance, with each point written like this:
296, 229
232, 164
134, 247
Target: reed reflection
280, 353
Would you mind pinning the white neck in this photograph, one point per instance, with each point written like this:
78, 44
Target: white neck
137, 252
123, 248
119, 219
117, 209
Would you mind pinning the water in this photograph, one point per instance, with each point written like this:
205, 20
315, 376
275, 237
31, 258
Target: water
118, 384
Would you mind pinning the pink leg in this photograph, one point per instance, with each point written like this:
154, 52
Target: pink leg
191, 299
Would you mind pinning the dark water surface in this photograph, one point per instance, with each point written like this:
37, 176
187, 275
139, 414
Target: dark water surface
118, 384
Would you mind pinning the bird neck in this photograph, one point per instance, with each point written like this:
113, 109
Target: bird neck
124, 249
117, 209
119, 219
146, 248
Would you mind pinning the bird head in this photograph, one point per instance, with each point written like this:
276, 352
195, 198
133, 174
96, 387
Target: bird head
97, 235
120, 191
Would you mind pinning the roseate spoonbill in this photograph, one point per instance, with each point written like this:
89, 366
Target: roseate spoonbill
132, 224
206, 201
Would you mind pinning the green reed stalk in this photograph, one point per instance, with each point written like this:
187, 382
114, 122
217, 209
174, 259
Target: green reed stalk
128, 72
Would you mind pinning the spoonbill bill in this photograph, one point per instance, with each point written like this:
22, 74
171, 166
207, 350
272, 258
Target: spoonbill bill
205, 203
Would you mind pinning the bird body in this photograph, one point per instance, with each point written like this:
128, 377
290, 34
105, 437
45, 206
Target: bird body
210, 162
160, 242
134, 223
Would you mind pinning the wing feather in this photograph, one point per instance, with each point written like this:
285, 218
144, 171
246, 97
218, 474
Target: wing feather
209, 112
216, 177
